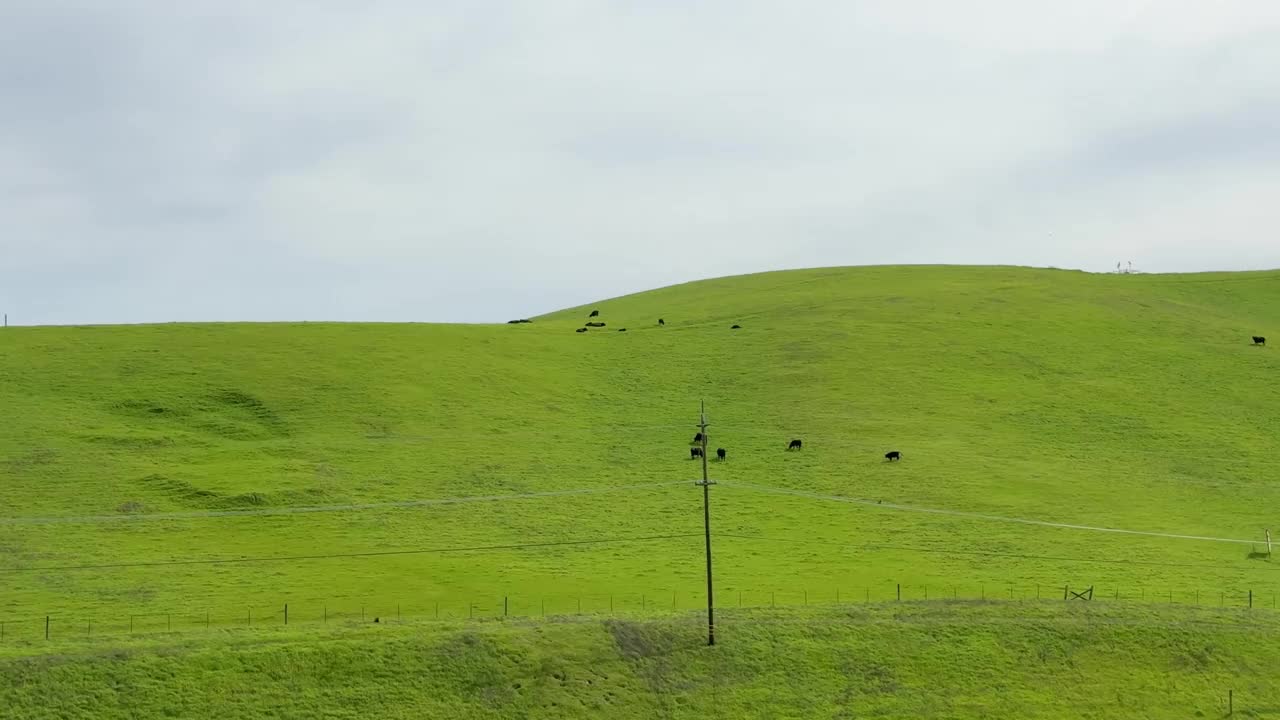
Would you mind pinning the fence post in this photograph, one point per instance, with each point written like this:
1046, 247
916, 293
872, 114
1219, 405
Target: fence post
899, 592
1064, 592
286, 613
471, 611
89, 632
926, 592
806, 596
130, 624
610, 603
868, 589
1231, 702
504, 607
1250, 599
326, 614
46, 627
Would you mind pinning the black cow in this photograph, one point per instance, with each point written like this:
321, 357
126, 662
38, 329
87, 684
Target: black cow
795, 445
720, 453
661, 321
580, 330
695, 453
1259, 340
595, 324
622, 329
594, 313
736, 327
894, 455
697, 437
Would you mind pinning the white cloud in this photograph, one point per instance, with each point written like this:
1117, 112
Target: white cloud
476, 161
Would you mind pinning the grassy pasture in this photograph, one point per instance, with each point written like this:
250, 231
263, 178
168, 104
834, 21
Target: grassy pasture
1132, 402
1122, 401
945, 660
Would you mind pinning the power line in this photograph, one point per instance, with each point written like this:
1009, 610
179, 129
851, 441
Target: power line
329, 508
331, 556
981, 516
994, 553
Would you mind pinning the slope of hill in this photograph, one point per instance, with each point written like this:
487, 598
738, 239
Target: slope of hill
131, 455
948, 660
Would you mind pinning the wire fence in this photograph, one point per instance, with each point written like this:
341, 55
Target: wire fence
91, 624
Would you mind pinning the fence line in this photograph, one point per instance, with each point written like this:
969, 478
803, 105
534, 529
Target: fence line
88, 624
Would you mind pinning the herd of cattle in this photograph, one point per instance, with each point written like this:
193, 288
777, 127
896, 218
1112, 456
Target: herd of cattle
722, 454
796, 444
1257, 339
597, 324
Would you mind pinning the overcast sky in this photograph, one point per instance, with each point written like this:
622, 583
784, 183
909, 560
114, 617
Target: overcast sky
480, 161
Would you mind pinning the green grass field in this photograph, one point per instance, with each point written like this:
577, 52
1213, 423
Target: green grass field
1131, 402
952, 660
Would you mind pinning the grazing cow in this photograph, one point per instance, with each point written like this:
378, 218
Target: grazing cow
795, 445
622, 329
736, 327
720, 453
595, 324
1259, 340
661, 321
580, 330
594, 313
695, 453
894, 455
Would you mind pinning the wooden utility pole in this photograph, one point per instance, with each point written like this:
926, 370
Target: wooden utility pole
706, 525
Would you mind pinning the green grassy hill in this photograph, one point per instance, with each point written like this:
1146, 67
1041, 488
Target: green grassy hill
131, 455
939, 660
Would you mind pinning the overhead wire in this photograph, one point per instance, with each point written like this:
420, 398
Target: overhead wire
980, 516
987, 553
291, 510
332, 556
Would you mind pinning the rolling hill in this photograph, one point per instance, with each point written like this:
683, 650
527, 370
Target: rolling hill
193, 474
